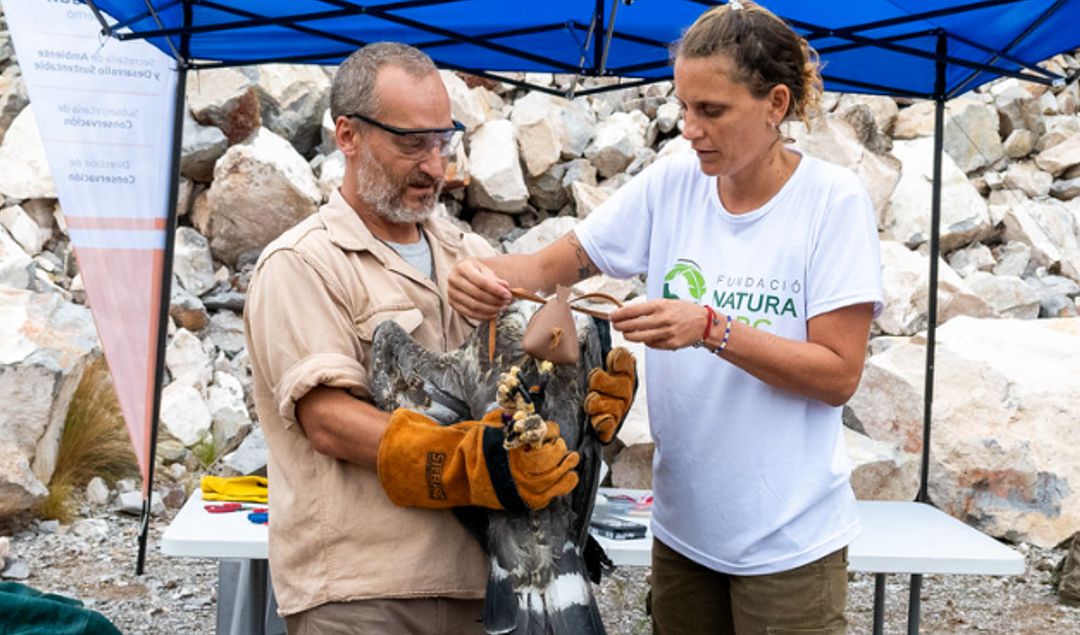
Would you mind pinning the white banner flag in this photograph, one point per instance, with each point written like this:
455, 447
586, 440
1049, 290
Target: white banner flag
104, 109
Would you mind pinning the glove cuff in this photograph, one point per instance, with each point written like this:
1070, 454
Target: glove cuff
497, 460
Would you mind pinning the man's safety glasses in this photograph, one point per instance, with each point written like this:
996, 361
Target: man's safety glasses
417, 143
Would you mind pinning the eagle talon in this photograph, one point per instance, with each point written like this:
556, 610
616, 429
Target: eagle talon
521, 423
525, 430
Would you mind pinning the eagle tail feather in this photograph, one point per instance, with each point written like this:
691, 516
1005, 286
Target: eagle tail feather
565, 605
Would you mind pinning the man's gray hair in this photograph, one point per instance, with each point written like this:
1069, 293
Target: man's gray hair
353, 89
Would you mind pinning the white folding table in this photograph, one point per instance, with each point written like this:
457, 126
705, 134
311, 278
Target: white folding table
245, 602
897, 537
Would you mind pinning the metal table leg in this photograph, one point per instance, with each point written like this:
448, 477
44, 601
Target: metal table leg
914, 604
242, 597
879, 604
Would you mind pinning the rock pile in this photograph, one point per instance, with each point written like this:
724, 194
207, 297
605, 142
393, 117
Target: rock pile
258, 156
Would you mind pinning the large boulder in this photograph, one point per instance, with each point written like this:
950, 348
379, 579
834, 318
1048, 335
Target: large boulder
546, 191
971, 135
542, 235
293, 98
184, 414
588, 197
466, 105
882, 108
880, 470
906, 280
46, 343
1066, 576
24, 229
836, 141
250, 456
17, 270
261, 188
1010, 296
192, 263
226, 98
539, 130
202, 146
225, 400
1060, 157
1059, 129
20, 489
1003, 456
617, 140
13, 96
1028, 178
188, 361
632, 467
1050, 227
914, 121
24, 168
578, 128
1017, 108
497, 180
668, 115
964, 215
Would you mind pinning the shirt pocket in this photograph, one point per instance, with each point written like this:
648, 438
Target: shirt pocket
407, 317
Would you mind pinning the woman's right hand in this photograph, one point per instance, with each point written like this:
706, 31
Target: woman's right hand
476, 292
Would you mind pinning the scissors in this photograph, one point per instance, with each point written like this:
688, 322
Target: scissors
225, 508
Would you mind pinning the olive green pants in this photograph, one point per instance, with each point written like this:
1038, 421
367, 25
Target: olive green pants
687, 597
420, 616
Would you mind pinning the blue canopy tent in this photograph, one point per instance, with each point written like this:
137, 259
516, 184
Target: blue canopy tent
934, 49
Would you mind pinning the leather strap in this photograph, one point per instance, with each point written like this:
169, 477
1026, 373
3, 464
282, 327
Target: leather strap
522, 294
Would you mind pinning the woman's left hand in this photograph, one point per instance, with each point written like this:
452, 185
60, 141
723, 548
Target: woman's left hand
663, 324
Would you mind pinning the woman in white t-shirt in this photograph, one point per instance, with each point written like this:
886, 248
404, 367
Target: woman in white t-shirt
763, 277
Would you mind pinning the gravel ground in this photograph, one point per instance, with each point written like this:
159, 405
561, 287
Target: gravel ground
93, 559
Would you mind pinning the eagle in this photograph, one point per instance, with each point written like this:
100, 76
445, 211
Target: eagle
539, 580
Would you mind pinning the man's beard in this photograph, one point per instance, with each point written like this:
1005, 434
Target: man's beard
385, 195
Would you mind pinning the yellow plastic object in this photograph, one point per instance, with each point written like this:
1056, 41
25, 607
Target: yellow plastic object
247, 489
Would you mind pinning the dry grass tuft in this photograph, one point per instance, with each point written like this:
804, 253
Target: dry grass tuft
94, 443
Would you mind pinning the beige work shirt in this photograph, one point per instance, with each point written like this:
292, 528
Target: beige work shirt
315, 298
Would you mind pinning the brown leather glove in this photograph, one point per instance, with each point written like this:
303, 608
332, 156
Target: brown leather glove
611, 392
424, 464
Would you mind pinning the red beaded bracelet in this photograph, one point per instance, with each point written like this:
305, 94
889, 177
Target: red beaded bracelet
713, 318
710, 317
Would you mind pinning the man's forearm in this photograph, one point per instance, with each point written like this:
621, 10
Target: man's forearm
342, 426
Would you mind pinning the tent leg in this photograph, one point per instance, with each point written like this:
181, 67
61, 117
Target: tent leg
935, 253
163, 308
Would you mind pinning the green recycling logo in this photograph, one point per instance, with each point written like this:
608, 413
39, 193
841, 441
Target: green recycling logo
684, 279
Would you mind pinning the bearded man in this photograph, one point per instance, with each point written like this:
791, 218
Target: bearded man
362, 538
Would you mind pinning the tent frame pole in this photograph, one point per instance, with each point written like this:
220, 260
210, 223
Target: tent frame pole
915, 586
166, 287
935, 252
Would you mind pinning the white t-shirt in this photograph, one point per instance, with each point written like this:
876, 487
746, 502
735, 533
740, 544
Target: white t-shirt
748, 479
